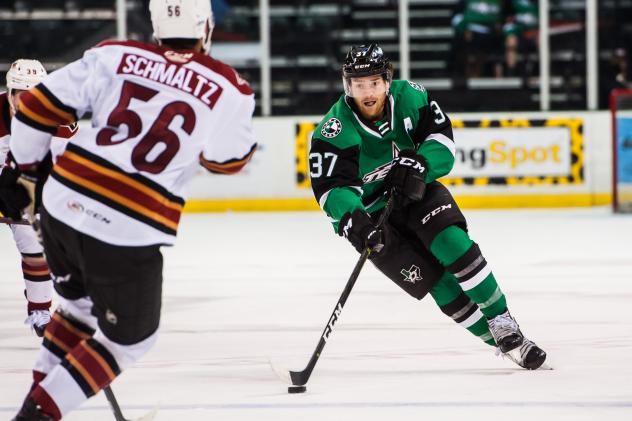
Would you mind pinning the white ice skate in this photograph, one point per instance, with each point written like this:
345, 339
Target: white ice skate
38, 320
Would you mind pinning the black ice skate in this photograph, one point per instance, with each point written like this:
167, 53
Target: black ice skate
31, 412
506, 332
528, 355
512, 343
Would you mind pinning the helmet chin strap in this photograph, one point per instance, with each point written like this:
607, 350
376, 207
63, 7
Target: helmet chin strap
206, 44
12, 105
206, 47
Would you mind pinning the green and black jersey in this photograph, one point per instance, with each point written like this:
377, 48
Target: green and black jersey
479, 15
525, 13
349, 156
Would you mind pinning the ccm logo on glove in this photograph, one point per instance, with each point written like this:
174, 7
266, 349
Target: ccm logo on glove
409, 162
407, 177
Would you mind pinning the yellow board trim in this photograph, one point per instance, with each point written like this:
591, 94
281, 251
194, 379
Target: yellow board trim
250, 205
465, 201
534, 201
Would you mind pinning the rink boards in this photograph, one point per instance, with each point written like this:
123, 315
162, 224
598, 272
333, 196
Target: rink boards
502, 160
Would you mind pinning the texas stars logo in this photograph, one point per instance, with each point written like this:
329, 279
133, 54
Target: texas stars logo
412, 275
331, 128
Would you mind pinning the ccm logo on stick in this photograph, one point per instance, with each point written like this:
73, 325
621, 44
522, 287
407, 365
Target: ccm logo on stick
332, 321
436, 211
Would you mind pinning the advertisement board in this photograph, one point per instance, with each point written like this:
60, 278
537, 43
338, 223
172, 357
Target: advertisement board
497, 152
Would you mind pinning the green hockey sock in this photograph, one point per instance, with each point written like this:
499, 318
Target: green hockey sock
459, 307
462, 257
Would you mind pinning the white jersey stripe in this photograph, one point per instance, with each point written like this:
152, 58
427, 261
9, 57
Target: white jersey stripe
444, 140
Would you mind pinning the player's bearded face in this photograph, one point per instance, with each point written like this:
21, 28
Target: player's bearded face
369, 95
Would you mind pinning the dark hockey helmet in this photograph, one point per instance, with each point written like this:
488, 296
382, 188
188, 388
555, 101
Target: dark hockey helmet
366, 60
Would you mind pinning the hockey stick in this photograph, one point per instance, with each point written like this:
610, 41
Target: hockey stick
300, 378
9, 221
116, 409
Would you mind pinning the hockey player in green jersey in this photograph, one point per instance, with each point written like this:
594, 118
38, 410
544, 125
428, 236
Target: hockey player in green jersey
389, 135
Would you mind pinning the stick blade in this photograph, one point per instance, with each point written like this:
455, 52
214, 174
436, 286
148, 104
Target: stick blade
281, 372
294, 378
298, 378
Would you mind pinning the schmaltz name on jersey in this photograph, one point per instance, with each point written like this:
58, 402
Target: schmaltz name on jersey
172, 74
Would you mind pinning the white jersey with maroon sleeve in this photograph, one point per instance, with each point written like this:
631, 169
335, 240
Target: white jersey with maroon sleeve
156, 114
5, 128
58, 143
24, 236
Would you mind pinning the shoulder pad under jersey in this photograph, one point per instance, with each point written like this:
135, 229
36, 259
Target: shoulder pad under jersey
410, 92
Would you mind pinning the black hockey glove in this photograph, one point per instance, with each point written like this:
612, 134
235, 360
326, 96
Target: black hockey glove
13, 196
358, 228
33, 180
407, 177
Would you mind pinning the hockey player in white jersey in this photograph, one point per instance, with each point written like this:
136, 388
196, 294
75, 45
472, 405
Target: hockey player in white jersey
22, 75
115, 195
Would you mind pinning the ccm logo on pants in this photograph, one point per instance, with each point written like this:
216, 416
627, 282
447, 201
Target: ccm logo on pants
434, 212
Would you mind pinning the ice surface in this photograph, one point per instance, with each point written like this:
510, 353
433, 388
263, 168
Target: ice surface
243, 288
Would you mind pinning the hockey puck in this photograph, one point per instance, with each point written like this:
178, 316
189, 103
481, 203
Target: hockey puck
296, 389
